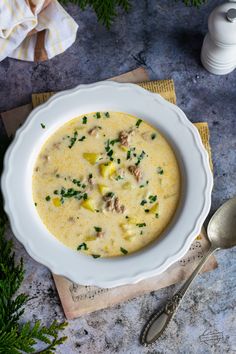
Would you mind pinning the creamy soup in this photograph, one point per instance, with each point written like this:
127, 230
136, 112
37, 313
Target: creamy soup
106, 184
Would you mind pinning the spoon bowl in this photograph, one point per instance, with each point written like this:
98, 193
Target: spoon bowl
221, 229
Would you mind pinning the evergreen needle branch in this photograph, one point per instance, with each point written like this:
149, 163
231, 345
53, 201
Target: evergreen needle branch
16, 338
106, 10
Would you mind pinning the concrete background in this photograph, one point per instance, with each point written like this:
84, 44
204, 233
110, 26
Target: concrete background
165, 37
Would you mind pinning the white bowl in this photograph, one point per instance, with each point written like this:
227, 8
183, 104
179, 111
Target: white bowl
195, 201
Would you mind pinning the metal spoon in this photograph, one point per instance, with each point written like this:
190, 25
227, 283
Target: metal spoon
221, 232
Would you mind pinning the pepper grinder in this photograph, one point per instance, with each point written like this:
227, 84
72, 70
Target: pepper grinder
218, 53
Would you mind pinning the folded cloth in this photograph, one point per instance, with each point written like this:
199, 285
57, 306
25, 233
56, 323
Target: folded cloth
34, 30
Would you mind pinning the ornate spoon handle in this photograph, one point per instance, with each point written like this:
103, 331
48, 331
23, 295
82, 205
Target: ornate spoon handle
158, 322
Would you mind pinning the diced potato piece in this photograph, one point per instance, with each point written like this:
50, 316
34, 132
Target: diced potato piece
88, 204
132, 220
103, 189
124, 148
91, 157
127, 186
90, 238
56, 202
154, 209
129, 238
128, 229
107, 169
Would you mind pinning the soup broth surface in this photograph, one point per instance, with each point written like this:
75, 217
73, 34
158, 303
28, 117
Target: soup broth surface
106, 184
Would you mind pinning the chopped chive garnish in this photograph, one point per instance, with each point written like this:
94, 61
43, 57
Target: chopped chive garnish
152, 198
139, 121
82, 138
143, 202
83, 186
141, 225
141, 186
160, 170
127, 217
43, 125
35, 204
85, 120
114, 141
57, 175
110, 194
98, 115
48, 198
82, 246
140, 157
77, 182
146, 210
107, 114
56, 191
118, 161
157, 215
123, 250
85, 196
96, 255
97, 228
110, 153
118, 178
90, 175
73, 139
153, 136
128, 155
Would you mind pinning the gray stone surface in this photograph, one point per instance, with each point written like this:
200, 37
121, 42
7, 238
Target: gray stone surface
165, 37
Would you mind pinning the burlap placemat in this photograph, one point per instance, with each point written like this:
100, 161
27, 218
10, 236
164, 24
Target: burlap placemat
77, 299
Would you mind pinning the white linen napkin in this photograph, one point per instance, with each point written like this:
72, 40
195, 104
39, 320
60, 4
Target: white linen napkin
34, 30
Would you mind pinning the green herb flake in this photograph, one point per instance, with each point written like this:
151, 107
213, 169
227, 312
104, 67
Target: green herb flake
157, 215
110, 153
35, 204
82, 138
139, 121
97, 228
48, 198
110, 194
85, 196
43, 125
143, 202
123, 250
119, 178
140, 157
128, 156
98, 115
90, 175
160, 170
114, 141
84, 119
152, 198
73, 139
153, 136
127, 217
56, 191
141, 225
107, 114
57, 175
96, 256
82, 246
118, 161
146, 210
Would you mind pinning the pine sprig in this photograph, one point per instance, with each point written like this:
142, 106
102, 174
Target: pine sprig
16, 338
106, 10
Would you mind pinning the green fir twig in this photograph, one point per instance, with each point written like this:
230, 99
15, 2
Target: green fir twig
16, 338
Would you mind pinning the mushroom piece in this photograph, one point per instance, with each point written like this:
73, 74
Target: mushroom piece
136, 172
124, 137
112, 203
94, 131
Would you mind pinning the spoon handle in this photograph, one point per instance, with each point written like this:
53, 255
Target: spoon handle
158, 322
